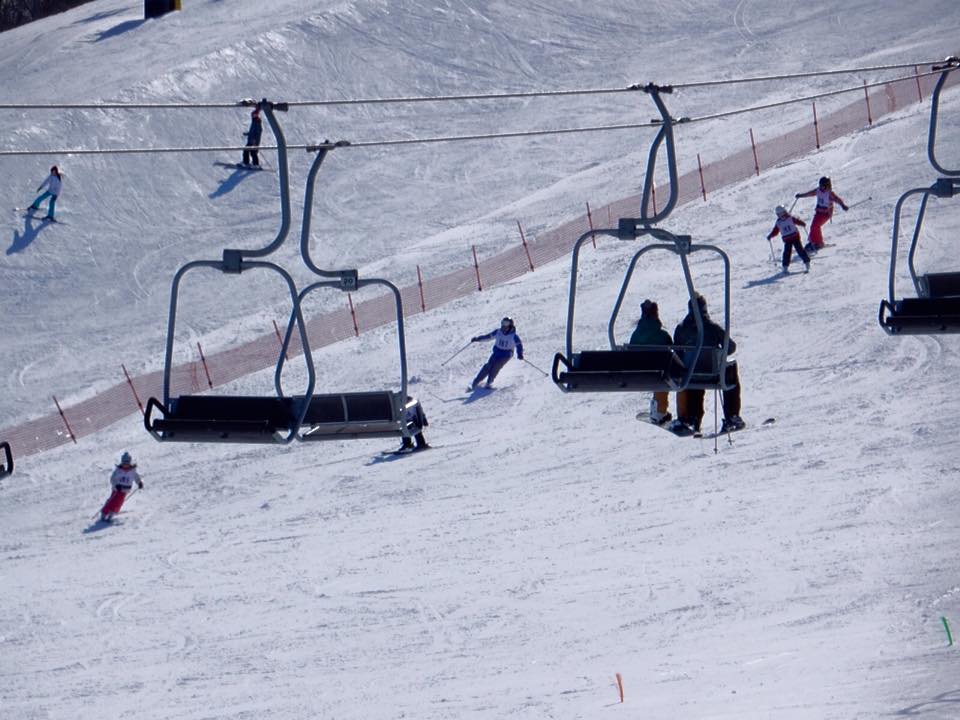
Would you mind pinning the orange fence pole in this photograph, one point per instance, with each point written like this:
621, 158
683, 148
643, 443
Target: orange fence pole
64, 418
423, 303
703, 188
476, 267
590, 223
353, 314
866, 96
130, 383
526, 249
276, 329
816, 125
206, 370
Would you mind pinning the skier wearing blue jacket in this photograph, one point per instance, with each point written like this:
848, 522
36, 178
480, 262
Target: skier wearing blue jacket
505, 340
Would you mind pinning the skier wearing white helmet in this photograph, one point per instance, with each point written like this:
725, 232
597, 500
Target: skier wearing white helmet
786, 228
122, 480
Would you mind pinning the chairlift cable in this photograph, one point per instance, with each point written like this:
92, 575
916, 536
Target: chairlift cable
466, 138
221, 105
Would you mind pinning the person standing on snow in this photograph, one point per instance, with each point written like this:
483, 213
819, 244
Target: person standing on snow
505, 340
251, 155
825, 200
52, 186
786, 227
650, 332
690, 402
415, 419
124, 477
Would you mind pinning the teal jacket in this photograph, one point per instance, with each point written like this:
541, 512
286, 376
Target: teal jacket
650, 332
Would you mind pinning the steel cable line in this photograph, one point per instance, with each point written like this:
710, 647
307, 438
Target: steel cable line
471, 137
457, 98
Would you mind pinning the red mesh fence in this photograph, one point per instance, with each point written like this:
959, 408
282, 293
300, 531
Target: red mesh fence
66, 424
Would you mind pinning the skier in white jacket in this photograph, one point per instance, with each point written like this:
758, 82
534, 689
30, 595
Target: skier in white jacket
122, 480
52, 185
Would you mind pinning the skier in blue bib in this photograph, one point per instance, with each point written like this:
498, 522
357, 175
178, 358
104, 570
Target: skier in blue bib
505, 339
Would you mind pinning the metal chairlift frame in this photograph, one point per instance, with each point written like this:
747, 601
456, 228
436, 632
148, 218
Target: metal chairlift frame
6, 468
681, 245
348, 415
227, 427
936, 309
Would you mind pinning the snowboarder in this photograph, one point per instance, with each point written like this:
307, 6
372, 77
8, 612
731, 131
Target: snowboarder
650, 332
825, 200
251, 155
505, 340
52, 190
786, 227
690, 402
416, 419
124, 477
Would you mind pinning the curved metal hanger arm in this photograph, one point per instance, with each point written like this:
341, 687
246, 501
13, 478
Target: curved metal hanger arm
664, 134
233, 259
950, 64
348, 278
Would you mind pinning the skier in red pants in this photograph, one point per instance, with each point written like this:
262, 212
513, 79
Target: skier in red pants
825, 200
124, 477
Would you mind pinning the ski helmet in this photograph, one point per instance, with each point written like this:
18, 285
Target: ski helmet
701, 303
824, 182
781, 210
507, 324
125, 459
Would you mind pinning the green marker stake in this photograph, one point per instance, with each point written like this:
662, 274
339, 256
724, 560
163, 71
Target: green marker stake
947, 628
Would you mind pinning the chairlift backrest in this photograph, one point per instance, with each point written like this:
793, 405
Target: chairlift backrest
7, 466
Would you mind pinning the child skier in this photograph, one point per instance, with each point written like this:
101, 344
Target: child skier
786, 227
825, 200
122, 480
416, 419
52, 185
505, 340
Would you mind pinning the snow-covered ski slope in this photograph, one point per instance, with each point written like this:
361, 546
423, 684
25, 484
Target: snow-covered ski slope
548, 541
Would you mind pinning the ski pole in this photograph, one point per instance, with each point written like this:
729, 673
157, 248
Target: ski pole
456, 353
536, 368
794, 203
773, 256
860, 202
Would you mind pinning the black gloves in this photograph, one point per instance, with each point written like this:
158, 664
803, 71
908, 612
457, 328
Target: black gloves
140, 484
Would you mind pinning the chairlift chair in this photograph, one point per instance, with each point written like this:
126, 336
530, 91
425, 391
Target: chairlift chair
231, 418
351, 415
625, 368
7, 467
936, 308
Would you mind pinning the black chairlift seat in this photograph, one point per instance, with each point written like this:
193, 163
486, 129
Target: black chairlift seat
637, 368
224, 418
940, 285
7, 467
921, 316
374, 414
